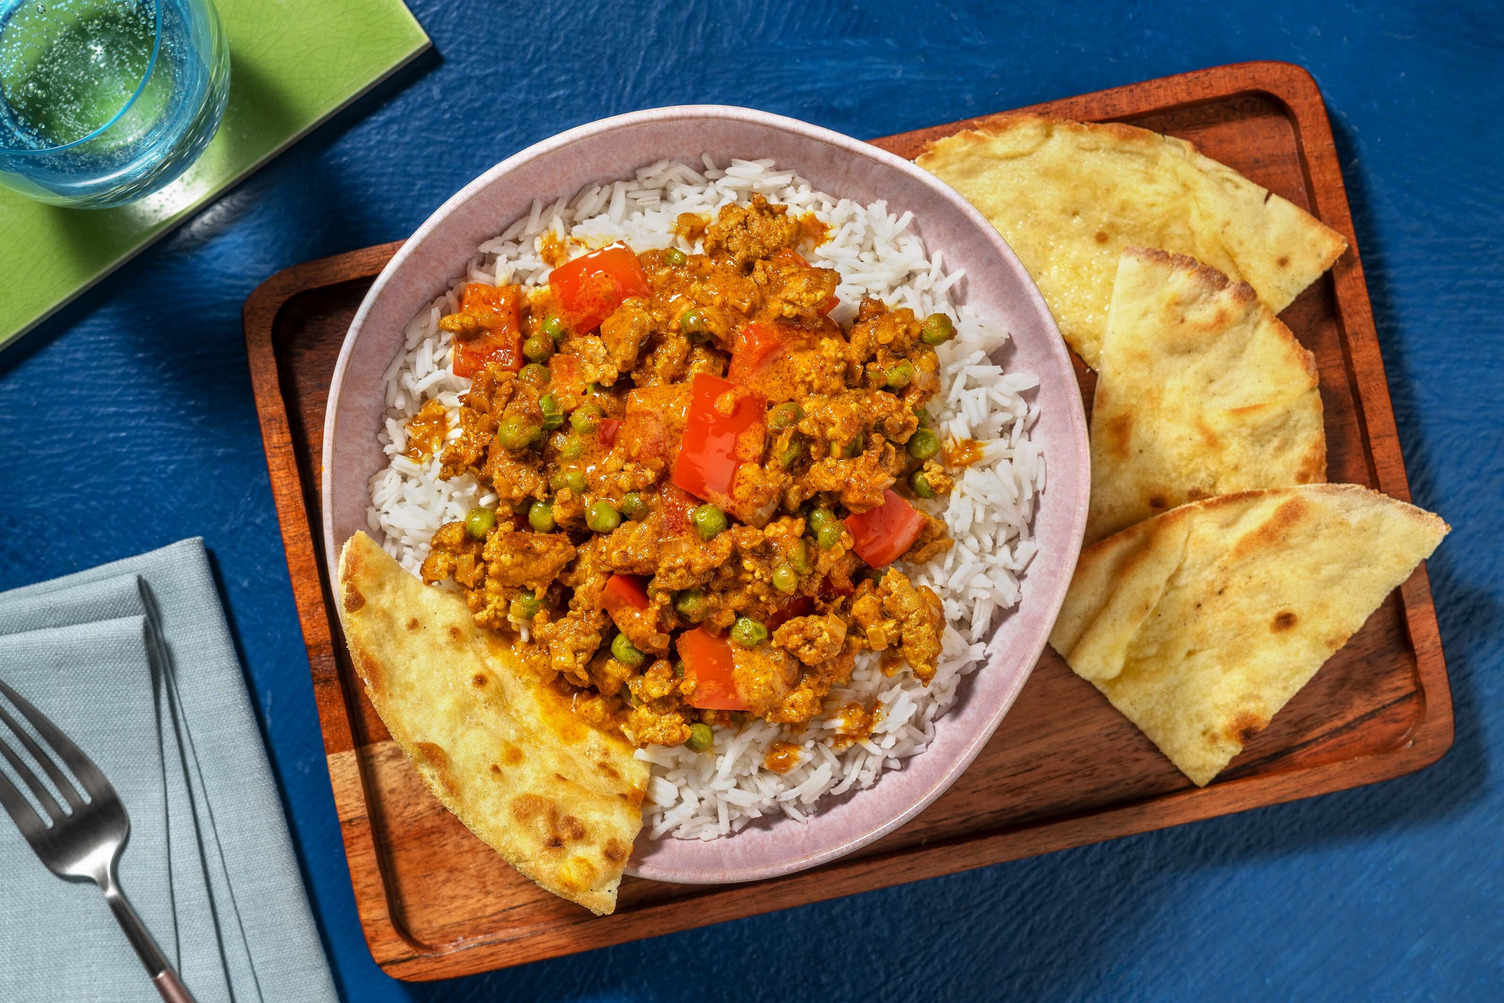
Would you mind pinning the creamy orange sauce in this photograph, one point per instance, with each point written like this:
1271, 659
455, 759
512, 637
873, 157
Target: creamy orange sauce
812, 231
784, 756
961, 453
691, 226
425, 431
551, 249
857, 723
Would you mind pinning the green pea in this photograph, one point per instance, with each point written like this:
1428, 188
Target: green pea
692, 605
678, 669
586, 418
709, 521
525, 606
541, 516
571, 479
625, 652
701, 738
478, 522
790, 454
538, 348
784, 579
516, 433
923, 414
784, 415
673, 257
923, 444
747, 632
602, 517
553, 415
921, 485
572, 448
901, 375
692, 323
829, 535
799, 557
821, 517
936, 329
633, 507
855, 446
536, 375
554, 328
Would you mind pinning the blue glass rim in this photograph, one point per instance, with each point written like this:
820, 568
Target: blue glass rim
151, 65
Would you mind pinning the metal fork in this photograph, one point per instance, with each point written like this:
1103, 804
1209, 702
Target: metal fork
83, 843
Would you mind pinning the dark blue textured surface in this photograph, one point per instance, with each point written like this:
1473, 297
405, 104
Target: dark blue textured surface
131, 424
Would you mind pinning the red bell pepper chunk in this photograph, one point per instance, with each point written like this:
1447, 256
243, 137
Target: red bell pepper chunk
624, 594
882, 534
494, 310
625, 590
653, 425
675, 505
757, 346
609, 428
724, 427
591, 287
708, 665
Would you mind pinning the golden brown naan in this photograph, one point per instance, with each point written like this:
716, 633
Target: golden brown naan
1201, 392
1069, 196
559, 799
1199, 624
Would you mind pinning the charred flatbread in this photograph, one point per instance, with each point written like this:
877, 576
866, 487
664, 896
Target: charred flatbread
1200, 624
497, 745
1069, 196
1201, 392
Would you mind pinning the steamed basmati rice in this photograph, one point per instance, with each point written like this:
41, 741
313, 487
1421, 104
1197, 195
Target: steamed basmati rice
989, 514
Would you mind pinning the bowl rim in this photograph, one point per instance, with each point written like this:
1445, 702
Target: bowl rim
1050, 604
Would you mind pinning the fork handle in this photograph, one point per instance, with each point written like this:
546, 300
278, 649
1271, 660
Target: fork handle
169, 986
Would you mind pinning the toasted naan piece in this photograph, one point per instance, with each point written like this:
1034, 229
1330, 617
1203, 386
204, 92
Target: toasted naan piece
559, 799
1201, 392
1069, 196
1200, 624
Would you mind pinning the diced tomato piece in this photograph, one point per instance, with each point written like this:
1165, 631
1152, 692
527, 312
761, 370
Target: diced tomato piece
708, 664
591, 287
788, 256
799, 606
829, 305
724, 427
609, 428
494, 310
882, 534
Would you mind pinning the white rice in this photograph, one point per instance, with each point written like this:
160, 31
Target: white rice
989, 514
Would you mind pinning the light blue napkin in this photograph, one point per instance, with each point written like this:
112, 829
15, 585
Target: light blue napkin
95, 683
238, 915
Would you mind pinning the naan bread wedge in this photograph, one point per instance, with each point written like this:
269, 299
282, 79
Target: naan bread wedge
559, 799
1201, 392
1200, 624
1069, 196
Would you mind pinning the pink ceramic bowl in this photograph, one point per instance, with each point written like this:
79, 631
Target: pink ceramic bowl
995, 283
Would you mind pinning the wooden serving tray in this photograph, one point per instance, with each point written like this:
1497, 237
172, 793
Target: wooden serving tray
1064, 769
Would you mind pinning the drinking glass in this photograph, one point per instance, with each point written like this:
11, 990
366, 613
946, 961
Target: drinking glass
105, 101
